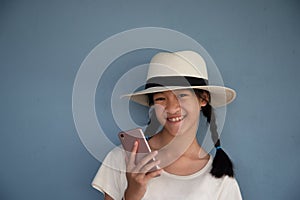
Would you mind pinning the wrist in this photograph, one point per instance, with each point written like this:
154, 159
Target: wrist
131, 195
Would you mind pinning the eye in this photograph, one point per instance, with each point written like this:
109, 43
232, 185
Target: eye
181, 95
159, 99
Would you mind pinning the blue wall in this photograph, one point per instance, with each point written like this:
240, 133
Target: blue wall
42, 44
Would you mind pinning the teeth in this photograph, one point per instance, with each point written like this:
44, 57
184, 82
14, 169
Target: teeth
176, 119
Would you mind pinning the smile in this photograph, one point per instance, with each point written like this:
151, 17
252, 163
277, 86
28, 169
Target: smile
175, 119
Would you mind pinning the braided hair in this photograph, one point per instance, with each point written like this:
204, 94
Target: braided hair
222, 164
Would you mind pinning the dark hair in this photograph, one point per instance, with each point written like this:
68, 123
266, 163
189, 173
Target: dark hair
222, 164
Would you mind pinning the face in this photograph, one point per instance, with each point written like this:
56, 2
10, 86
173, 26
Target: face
178, 111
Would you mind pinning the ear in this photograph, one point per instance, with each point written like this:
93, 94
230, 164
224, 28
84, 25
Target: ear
202, 102
204, 99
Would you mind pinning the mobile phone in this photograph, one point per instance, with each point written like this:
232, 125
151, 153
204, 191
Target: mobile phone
128, 139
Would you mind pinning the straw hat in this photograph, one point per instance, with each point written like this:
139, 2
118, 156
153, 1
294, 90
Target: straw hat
180, 70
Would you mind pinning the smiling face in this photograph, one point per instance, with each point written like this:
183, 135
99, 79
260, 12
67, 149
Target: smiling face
178, 111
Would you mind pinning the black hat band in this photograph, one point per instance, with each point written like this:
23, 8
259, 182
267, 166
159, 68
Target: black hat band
184, 81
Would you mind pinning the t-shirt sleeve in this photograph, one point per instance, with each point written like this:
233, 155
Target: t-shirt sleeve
230, 190
110, 178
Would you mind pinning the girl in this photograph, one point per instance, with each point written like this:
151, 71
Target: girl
177, 89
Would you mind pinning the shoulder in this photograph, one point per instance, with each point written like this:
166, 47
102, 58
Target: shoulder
115, 156
223, 182
228, 188
118, 151
228, 181
110, 178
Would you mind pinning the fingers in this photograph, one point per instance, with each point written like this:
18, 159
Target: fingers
146, 162
153, 174
145, 165
133, 152
152, 166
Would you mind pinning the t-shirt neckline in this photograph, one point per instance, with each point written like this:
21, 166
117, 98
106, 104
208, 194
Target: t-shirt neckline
185, 177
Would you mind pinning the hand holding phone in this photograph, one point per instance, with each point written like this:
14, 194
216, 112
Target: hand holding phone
141, 165
128, 139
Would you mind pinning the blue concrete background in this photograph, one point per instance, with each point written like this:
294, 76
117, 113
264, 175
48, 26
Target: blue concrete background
42, 44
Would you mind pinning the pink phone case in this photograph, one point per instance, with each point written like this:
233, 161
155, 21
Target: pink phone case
128, 138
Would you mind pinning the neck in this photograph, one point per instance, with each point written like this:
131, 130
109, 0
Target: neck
195, 151
172, 148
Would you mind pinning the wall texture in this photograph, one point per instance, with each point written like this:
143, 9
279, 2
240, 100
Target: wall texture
255, 44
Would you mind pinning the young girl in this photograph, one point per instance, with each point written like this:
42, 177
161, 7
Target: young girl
177, 89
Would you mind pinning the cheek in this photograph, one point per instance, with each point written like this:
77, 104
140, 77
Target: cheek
195, 108
194, 104
159, 113
159, 109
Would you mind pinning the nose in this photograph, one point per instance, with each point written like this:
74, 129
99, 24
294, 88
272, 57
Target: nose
172, 105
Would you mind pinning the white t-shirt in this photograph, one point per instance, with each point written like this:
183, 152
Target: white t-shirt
111, 179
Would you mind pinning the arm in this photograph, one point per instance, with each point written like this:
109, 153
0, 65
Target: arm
107, 197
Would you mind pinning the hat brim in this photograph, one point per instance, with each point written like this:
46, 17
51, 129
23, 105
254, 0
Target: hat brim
220, 96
